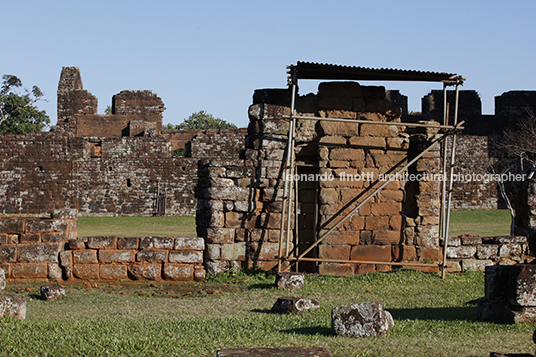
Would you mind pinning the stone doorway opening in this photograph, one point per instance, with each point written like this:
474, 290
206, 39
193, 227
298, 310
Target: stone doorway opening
307, 216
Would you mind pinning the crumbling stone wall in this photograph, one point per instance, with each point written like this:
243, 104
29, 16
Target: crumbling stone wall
239, 215
227, 142
49, 248
475, 253
106, 164
475, 155
134, 113
513, 105
103, 176
476, 151
30, 246
137, 258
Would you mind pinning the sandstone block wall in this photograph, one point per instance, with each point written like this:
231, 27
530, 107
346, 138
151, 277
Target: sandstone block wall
137, 258
134, 113
48, 248
96, 176
107, 164
475, 155
475, 253
240, 215
30, 246
234, 218
226, 142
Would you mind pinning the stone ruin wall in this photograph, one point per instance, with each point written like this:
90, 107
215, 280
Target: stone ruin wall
240, 201
49, 248
240, 194
239, 210
476, 148
474, 154
116, 164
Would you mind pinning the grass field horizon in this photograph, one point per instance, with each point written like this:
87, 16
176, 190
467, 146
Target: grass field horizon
483, 223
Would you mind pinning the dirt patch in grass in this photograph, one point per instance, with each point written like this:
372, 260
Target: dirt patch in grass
156, 289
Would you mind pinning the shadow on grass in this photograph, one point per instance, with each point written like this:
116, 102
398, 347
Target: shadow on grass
312, 330
438, 314
261, 286
441, 313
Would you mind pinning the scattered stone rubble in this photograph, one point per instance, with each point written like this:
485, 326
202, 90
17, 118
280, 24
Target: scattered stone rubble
367, 319
510, 294
289, 280
294, 305
52, 292
13, 306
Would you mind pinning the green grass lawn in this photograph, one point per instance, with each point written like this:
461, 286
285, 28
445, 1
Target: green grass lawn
163, 319
137, 226
432, 317
483, 223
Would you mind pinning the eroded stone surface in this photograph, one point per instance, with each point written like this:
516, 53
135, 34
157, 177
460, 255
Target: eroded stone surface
502, 313
289, 280
294, 305
521, 288
367, 319
52, 292
149, 271
13, 306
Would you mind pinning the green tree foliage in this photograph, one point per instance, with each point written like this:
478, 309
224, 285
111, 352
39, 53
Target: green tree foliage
19, 115
199, 121
169, 126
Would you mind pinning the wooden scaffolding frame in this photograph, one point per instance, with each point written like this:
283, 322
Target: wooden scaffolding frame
287, 257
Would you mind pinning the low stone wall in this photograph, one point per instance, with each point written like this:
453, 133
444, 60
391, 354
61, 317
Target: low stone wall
475, 253
229, 218
49, 248
137, 258
30, 246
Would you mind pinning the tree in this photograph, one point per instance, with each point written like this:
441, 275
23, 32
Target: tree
19, 115
520, 144
516, 154
201, 120
169, 126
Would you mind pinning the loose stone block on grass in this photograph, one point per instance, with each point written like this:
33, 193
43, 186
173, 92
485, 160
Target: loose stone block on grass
510, 294
13, 306
289, 280
294, 305
367, 319
52, 292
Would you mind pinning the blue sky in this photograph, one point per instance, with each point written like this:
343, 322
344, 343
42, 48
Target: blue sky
212, 55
